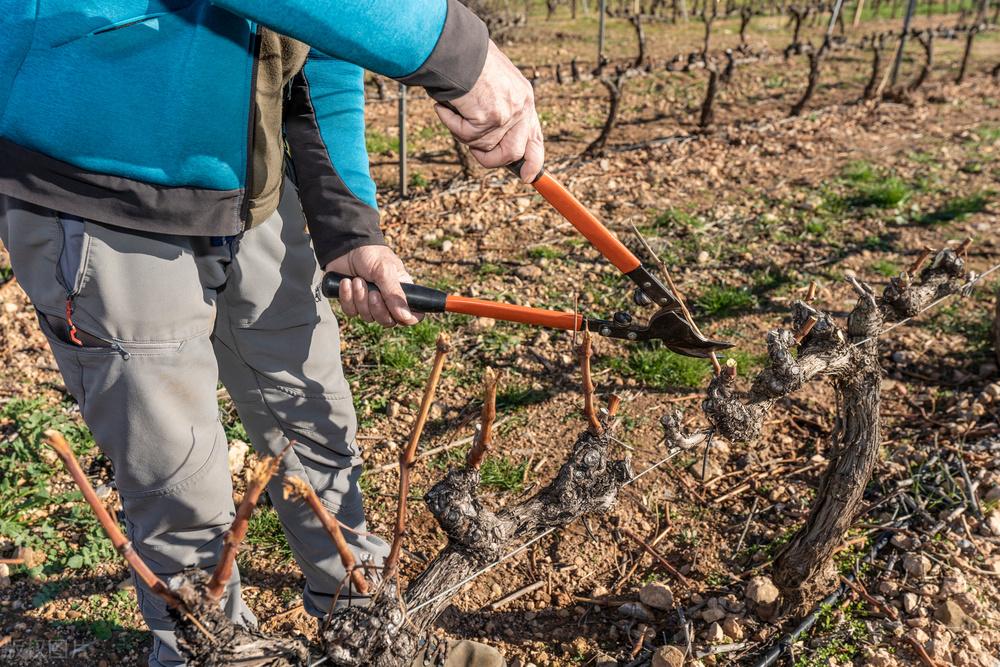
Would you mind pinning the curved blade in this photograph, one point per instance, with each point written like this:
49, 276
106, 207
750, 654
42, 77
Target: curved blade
678, 336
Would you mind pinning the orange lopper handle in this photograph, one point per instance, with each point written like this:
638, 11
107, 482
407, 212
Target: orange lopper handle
585, 221
511, 313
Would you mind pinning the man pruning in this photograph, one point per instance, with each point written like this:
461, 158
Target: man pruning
160, 161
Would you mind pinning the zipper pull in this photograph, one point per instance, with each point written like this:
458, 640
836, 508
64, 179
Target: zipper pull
69, 322
121, 350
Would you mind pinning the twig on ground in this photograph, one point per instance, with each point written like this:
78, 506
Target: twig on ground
918, 648
519, 593
746, 526
861, 591
656, 555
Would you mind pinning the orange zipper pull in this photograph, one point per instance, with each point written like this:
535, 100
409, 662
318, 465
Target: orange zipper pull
69, 322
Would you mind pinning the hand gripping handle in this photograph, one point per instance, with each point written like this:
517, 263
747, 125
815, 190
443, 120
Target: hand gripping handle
418, 298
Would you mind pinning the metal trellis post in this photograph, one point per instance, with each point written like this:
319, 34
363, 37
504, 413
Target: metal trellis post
403, 175
833, 16
910, 8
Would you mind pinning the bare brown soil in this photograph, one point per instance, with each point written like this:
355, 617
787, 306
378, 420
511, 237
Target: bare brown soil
761, 205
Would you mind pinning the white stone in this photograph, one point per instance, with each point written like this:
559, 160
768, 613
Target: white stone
918, 635
993, 522
238, 451
668, 656
657, 595
481, 324
733, 628
917, 565
714, 634
761, 590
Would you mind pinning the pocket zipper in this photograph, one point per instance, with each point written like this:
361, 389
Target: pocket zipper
114, 345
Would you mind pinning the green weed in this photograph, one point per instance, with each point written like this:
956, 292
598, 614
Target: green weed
674, 218
659, 368
418, 180
836, 636
816, 227
501, 473
502, 338
988, 133
264, 532
490, 269
957, 208
378, 143
519, 396
884, 267
887, 193
722, 300
31, 513
544, 251
860, 172
868, 187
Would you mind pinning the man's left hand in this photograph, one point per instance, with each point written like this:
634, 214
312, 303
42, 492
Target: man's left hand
380, 265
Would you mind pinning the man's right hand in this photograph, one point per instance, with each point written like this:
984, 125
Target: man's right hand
497, 118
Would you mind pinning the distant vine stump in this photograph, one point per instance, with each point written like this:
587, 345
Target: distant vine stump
926, 39
707, 106
815, 60
596, 148
640, 36
877, 45
967, 54
746, 13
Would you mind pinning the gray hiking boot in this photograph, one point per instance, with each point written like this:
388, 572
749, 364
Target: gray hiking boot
462, 653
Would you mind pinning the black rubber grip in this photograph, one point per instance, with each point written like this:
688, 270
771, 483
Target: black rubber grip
418, 298
515, 168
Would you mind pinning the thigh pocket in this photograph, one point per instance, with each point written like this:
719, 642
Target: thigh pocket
141, 289
326, 426
34, 242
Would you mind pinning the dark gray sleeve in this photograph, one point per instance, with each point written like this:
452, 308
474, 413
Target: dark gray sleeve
339, 218
458, 57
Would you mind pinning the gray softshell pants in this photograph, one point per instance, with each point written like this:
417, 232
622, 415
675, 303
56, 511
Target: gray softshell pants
163, 319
